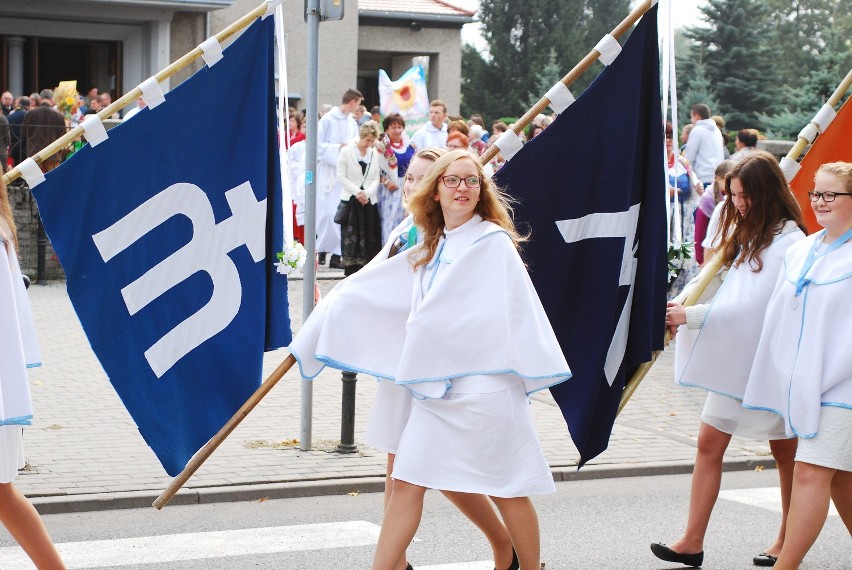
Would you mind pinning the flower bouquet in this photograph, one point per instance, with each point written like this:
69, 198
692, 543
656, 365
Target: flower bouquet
293, 257
677, 256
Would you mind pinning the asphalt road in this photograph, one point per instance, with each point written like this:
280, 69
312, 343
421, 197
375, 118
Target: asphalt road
605, 523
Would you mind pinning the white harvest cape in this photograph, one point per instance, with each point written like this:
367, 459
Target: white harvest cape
18, 344
481, 317
803, 361
719, 355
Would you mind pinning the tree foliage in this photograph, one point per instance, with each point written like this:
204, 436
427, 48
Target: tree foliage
770, 63
523, 37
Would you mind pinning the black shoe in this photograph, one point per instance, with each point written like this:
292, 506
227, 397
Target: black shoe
322, 258
764, 559
515, 565
334, 263
663, 552
409, 567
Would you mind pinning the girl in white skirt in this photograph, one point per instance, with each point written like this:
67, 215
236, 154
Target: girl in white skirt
392, 406
477, 343
18, 350
803, 366
717, 342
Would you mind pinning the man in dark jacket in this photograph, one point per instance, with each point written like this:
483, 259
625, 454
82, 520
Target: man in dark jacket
16, 118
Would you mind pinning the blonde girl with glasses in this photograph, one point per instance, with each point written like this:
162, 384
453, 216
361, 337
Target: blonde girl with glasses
477, 344
803, 366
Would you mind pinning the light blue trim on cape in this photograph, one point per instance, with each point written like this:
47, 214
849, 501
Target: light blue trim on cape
20, 421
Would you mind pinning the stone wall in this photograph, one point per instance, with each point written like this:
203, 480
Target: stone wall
25, 211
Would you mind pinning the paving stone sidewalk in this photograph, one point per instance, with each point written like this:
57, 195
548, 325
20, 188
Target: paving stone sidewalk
84, 452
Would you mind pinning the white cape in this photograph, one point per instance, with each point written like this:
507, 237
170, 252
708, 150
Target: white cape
803, 361
481, 317
719, 355
18, 344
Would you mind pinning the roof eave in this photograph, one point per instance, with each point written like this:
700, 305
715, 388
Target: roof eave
445, 19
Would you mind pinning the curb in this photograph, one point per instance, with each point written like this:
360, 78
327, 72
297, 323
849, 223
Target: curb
62, 504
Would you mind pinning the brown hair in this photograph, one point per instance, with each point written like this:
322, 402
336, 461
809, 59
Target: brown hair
457, 136
459, 126
6, 215
772, 202
351, 95
393, 119
493, 206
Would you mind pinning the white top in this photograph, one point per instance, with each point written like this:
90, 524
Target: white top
803, 360
705, 149
428, 136
333, 129
482, 317
710, 241
350, 177
18, 344
718, 356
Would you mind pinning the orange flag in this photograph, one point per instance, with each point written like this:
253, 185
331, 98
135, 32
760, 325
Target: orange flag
835, 144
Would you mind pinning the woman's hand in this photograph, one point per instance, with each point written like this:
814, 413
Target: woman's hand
675, 316
362, 197
391, 186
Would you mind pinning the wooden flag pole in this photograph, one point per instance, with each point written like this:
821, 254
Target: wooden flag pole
572, 76
77, 132
802, 143
226, 430
704, 278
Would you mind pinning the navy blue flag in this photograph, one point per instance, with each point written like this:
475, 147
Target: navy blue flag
591, 189
167, 232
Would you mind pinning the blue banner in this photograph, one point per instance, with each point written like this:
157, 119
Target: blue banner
167, 232
591, 190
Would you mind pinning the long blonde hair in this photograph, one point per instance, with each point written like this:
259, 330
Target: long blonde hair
494, 205
6, 215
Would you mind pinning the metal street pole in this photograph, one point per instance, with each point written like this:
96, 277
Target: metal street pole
312, 17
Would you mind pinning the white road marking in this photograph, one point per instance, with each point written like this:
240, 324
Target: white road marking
764, 497
205, 545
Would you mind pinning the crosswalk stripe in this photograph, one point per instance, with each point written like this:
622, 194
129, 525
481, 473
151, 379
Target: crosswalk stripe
762, 497
203, 545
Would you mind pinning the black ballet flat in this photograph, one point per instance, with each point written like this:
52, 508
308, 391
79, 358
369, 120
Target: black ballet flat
663, 552
764, 559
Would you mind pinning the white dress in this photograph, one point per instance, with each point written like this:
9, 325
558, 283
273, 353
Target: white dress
333, 129
471, 338
803, 365
18, 351
718, 355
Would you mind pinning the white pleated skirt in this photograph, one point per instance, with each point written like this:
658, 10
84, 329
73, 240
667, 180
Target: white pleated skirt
832, 445
478, 438
728, 415
11, 452
388, 417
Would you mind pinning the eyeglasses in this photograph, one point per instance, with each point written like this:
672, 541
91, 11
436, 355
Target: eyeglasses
451, 181
826, 196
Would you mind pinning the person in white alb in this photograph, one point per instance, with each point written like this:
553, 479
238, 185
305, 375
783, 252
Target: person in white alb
434, 133
705, 148
335, 130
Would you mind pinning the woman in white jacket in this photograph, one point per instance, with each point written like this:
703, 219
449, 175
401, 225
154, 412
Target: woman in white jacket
358, 173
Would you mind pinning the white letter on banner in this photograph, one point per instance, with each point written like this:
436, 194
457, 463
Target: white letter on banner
206, 251
611, 225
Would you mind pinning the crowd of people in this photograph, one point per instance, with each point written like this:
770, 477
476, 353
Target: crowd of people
349, 246
428, 245
26, 119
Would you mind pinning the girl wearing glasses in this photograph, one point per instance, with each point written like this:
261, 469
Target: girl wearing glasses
803, 366
392, 406
459, 324
478, 342
759, 221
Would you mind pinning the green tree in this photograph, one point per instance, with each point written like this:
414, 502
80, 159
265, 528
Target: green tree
739, 64
522, 38
699, 91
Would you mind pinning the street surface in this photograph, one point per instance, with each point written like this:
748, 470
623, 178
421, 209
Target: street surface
606, 523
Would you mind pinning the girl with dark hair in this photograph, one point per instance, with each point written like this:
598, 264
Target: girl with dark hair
396, 152
759, 221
